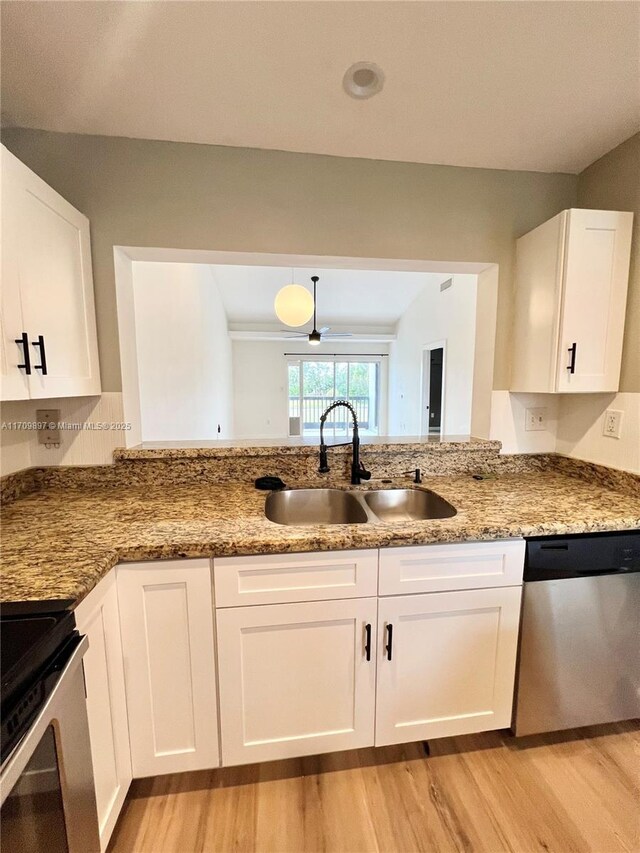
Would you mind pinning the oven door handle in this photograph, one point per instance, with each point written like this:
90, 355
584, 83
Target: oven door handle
24, 749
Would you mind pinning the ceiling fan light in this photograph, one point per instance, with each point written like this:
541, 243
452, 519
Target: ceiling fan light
293, 305
315, 338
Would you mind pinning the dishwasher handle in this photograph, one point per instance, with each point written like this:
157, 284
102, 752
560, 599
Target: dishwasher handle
621, 570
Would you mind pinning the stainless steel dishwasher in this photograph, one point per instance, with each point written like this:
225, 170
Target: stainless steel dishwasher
579, 653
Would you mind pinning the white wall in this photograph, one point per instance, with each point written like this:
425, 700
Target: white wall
574, 426
20, 448
508, 418
434, 316
260, 389
260, 383
485, 345
581, 423
183, 353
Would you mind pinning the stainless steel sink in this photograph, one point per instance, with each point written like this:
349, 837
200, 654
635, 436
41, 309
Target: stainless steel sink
302, 507
314, 506
407, 505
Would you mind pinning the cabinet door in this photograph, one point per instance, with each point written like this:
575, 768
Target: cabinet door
283, 578
14, 383
461, 565
537, 303
596, 276
295, 679
97, 617
166, 613
451, 667
56, 287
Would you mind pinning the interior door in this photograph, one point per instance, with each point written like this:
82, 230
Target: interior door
296, 679
595, 283
432, 388
446, 663
436, 363
56, 289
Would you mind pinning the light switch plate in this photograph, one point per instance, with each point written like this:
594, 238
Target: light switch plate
612, 426
536, 418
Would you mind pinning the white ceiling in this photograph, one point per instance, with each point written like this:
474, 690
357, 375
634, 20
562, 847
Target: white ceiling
345, 298
548, 86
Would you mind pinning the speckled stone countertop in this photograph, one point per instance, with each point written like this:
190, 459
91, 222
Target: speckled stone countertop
58, 542
299, 446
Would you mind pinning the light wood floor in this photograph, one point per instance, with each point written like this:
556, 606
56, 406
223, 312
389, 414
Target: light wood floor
565, 793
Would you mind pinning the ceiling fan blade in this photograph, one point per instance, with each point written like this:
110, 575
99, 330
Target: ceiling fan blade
340, 335
324, 329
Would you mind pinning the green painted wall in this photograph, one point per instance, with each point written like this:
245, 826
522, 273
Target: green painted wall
613, 183
162, 194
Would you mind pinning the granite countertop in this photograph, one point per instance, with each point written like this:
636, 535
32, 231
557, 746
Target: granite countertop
298, 446
58, 543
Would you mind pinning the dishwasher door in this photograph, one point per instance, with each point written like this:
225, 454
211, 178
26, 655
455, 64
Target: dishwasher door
579, 659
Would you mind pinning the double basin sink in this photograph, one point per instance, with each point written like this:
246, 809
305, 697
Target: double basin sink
303, 507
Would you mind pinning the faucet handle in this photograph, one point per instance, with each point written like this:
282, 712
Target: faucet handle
364, 474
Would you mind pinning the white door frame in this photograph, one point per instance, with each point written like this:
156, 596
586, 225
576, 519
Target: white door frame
124, 256
425, 385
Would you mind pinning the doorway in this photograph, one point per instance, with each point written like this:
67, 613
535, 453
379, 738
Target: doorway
432, 397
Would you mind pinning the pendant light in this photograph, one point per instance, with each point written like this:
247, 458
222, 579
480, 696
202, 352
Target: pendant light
293, 304
315, 337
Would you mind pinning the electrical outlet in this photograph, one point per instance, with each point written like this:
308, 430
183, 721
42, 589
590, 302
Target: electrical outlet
612, 423
48, 430
536, 419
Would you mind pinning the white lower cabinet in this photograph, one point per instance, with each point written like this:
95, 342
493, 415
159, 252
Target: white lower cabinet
97, 617
446, 663
296, 679
166, 611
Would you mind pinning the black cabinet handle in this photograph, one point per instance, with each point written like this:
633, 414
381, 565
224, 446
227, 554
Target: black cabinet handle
43, 357
389, 647
26, 364
571, 367
367, 643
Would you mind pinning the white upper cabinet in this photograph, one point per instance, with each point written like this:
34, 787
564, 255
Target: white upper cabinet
572, 274
49, 342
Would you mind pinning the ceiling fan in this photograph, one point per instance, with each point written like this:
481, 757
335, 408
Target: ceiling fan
316, 336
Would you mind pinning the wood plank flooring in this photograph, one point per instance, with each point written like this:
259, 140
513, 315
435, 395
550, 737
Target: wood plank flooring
565, 793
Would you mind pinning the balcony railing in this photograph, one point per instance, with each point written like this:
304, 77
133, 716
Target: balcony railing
313, 407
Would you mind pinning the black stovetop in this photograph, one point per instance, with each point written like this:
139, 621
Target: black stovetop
31, 632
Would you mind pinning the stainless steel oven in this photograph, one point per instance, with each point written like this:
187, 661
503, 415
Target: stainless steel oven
47, 790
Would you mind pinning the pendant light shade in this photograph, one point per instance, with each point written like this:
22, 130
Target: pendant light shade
294, 305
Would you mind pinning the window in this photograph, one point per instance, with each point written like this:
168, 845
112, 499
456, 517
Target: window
315, 383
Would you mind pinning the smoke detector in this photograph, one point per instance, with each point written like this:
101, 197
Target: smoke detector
363, 80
